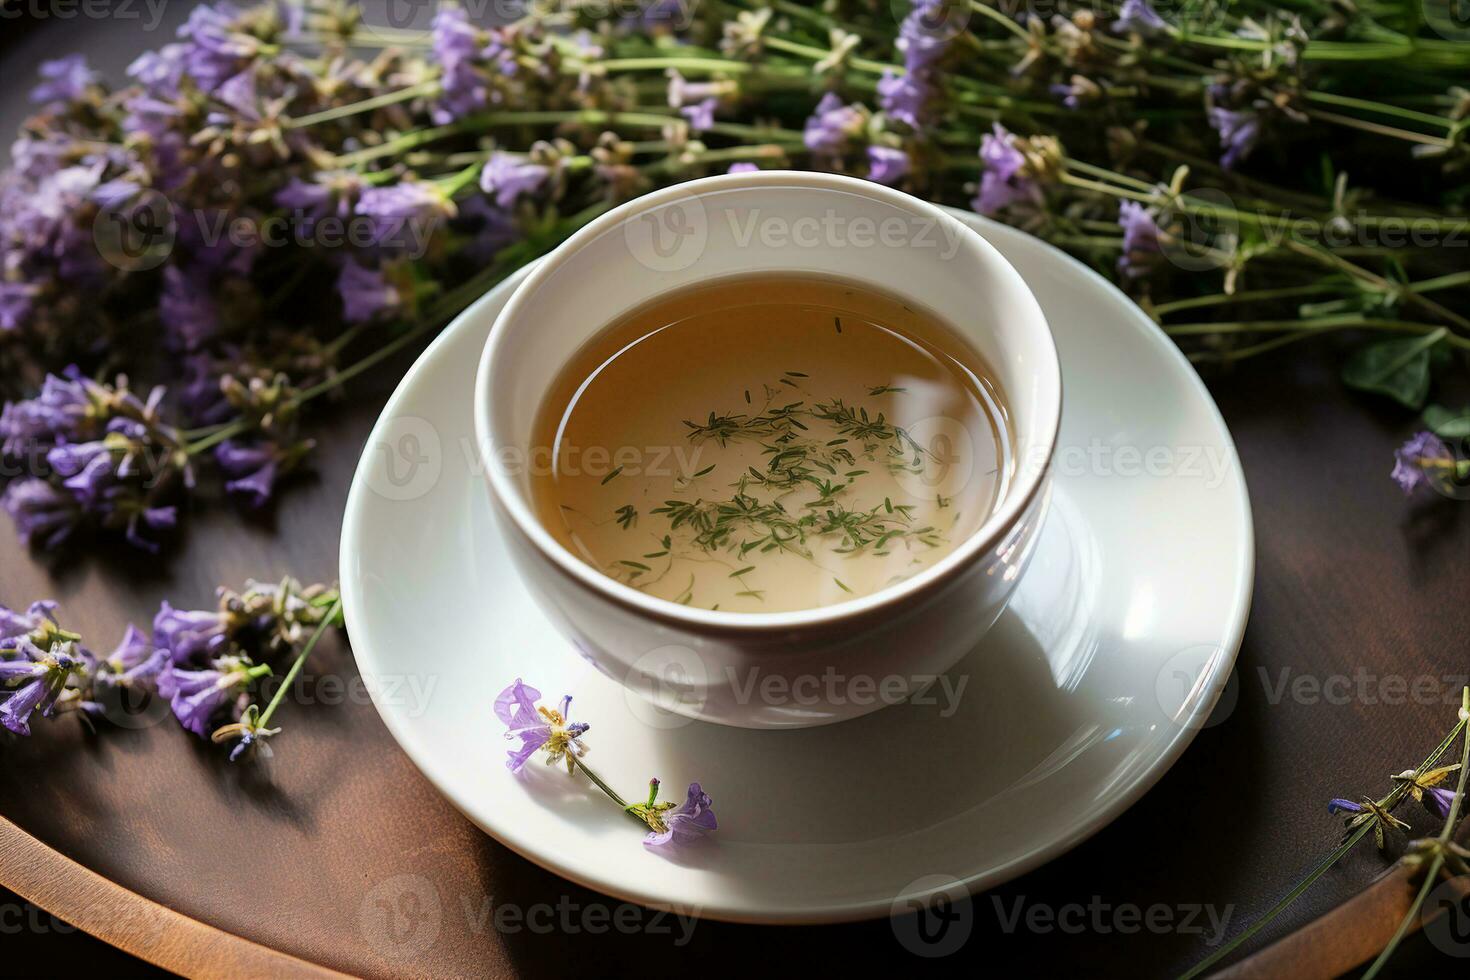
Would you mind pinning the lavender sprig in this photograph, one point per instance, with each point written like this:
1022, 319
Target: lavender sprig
1376, 816
550, 730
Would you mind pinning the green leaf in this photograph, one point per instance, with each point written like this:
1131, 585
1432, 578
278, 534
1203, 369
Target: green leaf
1396, 368
1446, 423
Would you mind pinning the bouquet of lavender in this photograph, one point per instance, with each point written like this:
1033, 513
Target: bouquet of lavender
164, 321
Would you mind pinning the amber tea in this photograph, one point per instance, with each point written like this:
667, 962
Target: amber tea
770, 443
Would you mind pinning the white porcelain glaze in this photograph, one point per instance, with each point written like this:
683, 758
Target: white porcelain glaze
702, 663
1115, 647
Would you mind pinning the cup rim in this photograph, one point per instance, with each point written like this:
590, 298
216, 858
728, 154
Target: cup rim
1001, 520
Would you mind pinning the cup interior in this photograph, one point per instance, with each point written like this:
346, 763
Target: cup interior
767, 222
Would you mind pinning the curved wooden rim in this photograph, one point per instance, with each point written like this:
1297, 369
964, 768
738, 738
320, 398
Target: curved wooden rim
127, 920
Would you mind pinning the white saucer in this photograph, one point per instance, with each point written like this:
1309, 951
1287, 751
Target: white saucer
1113, 652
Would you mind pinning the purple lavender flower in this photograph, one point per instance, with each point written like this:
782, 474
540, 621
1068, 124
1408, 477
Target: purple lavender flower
135, 660
690, 821
1077, 92
683, 92
743, 167
16, 709
44, 516
701, 115
190, 636
1437, 800
507, 177
366, 293
187, 308
905, 97
1239, 132
1140, 239
923, 37
115, 195
160, 71
458, 46
329, 194
1138, 17
214, 49
251, 734
252, 469
64, 80
1339, 805
831, 125
1413, 460
39, 617
538, 727
35, 683
198, 697
887, 165
1002, 184
404, 214
241, 94
68, 408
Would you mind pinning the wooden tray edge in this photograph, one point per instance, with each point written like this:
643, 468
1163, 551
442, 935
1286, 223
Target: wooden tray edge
127, 920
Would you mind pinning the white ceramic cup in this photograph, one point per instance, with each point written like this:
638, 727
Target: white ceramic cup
787, 669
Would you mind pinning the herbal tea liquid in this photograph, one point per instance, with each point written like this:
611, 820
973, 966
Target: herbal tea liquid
769, 444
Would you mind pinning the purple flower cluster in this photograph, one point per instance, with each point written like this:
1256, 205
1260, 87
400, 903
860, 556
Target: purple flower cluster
833, 125
923, 38
1139, 17
1004, 181
45, 669
1424, 457
109, 460
507, 177
214, 656
45, 246
696, 101
1240, 131
1141, 240
470, 60
203, 662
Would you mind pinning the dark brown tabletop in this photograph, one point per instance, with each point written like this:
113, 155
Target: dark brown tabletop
318, 855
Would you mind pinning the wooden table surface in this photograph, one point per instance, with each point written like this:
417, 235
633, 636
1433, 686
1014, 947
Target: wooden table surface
340, 855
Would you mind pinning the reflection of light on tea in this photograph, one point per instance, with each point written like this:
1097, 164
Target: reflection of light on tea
760, 445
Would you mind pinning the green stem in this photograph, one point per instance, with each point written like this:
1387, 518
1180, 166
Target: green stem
598, 782
1378, 129
1276, 909
999, 18
1395, 796
1348, 102
295, 671
366, 105
1246, 296
1431, 874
